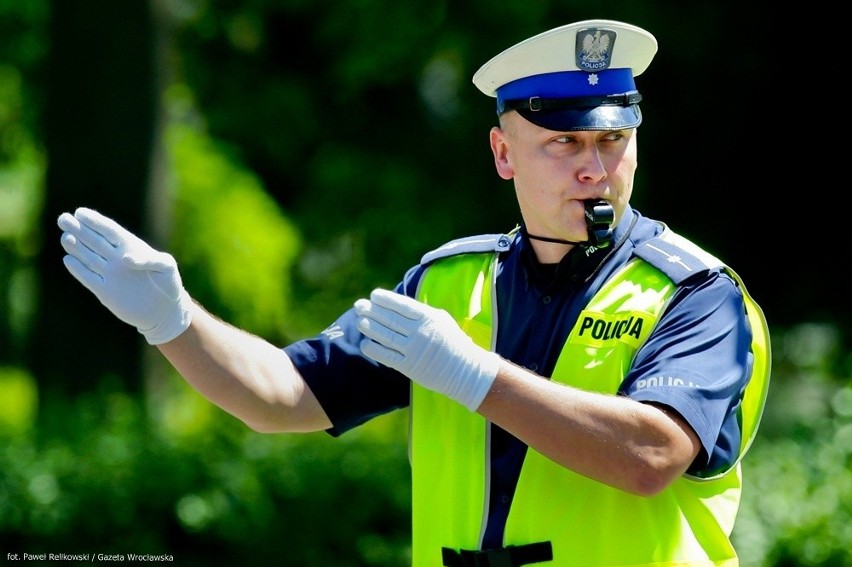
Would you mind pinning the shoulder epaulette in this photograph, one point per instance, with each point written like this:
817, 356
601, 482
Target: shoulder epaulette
676, 256
469, 244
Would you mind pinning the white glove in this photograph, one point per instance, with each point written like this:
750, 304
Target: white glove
140, 285
427, 345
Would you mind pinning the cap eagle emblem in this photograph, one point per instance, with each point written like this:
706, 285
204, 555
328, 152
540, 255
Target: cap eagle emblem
594, 49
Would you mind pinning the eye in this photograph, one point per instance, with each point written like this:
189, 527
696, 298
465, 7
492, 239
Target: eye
613, 136
567, 139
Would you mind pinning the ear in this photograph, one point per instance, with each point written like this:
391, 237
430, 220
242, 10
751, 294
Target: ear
500, 149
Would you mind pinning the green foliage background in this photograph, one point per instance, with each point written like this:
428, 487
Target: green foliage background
302, 139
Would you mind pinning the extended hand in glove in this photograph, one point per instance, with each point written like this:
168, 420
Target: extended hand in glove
140, 285
427, 345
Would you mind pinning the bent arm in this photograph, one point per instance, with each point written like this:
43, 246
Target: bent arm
636, 447
244, 375
630, 445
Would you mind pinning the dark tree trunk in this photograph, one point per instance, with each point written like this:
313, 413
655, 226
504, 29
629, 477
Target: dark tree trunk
100, 130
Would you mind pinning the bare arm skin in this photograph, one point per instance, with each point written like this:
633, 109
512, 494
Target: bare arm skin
636, 447
245, 376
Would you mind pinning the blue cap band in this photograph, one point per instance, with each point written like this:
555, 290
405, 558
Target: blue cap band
567, 84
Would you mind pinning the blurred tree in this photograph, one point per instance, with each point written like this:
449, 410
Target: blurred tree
22, 51
99, 126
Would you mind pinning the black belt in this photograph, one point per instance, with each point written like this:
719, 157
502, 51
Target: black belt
511, 556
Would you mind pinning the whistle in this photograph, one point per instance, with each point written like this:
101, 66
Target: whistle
599, 218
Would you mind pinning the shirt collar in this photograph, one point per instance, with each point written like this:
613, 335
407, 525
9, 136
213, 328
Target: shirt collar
580, 263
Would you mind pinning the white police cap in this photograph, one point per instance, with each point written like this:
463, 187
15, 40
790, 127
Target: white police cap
574, 77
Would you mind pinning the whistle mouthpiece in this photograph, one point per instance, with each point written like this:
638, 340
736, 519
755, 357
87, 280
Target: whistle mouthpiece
599, 218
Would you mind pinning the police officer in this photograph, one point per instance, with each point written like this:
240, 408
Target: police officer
582, 388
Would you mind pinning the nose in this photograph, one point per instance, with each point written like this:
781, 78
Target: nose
591, 168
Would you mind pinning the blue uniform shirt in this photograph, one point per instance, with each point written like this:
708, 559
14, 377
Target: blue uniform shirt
702, 339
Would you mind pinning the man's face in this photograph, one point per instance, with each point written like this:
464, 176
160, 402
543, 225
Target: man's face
554, 172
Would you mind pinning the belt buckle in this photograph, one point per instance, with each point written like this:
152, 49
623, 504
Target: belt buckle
535, 103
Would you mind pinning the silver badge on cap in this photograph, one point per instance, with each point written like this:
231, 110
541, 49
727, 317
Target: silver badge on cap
594, 48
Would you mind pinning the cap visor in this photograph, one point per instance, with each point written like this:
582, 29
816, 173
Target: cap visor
598, 118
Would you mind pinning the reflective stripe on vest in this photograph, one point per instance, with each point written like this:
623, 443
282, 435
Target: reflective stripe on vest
588, 523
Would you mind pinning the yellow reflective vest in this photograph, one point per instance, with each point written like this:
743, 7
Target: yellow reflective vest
587, 523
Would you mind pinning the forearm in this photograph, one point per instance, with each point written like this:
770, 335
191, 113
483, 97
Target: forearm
632, 446
244, 375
